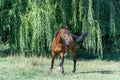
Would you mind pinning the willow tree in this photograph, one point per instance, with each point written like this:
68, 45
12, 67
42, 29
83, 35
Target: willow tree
10, 21
91, 25
31, 24
35, 32
112, 20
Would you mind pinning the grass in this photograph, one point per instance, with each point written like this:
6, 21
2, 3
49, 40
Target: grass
33, 68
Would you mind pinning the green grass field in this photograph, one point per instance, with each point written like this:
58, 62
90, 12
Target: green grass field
33, 68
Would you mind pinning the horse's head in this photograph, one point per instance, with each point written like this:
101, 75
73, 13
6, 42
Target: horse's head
66, 36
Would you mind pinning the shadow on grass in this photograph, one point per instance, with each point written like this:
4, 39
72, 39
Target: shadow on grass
101, 72
93, 72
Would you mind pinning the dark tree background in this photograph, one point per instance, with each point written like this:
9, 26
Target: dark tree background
27, 26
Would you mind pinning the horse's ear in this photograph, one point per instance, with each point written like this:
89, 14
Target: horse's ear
64, 27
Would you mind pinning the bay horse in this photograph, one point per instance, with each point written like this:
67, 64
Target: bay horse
63, 42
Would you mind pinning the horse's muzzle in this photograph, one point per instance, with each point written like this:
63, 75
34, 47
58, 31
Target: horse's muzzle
68, 42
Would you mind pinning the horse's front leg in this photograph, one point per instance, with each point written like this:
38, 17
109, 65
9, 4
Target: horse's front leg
61, 68
52, 62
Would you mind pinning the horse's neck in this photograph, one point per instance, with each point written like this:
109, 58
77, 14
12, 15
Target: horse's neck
58, 39
56, 45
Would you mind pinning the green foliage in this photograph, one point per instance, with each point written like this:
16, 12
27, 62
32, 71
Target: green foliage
31, 24
35, 32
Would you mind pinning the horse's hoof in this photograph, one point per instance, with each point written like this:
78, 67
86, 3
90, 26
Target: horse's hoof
63, 74
73, 70
61, 69
51, 69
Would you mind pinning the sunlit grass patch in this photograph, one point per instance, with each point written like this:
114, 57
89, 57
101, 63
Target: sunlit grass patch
37, 68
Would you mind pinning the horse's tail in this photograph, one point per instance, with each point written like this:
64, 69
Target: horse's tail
80, 38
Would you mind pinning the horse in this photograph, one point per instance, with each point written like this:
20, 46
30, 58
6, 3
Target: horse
63, 42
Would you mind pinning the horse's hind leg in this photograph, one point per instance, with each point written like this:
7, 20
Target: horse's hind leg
52, 62
74, 60
61, 63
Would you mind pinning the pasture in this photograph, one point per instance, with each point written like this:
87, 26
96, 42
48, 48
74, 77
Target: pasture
33, 68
